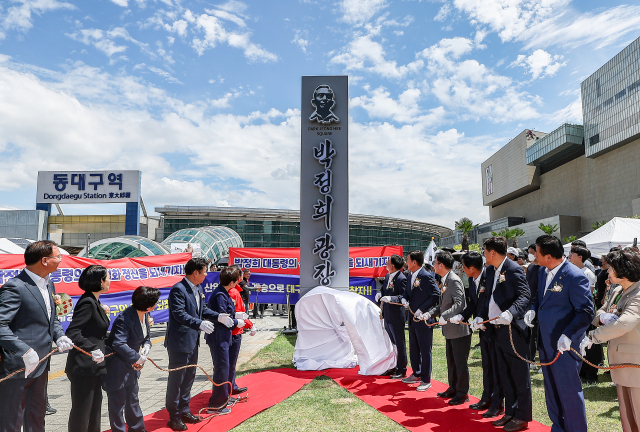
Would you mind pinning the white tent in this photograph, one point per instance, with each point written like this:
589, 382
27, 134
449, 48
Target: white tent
616, 232
9, 247
333, 324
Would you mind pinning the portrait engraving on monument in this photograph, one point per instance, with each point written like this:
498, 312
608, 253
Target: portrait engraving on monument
323, 101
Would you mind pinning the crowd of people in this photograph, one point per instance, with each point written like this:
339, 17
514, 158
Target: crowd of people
541, 302
99, 360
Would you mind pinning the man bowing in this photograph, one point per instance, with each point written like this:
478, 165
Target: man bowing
565, 310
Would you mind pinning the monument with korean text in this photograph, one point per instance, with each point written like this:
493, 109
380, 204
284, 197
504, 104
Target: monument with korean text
324, 183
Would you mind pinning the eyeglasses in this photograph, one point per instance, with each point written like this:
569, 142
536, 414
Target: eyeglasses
55, 256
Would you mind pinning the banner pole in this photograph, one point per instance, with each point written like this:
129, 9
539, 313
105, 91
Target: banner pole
290, 331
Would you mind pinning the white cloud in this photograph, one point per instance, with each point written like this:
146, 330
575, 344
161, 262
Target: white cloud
540, 63
444, 11
19, 16
572, 113
406, 109
164, 74
123, 3
358, 12
302, 43
366, 54
99, 39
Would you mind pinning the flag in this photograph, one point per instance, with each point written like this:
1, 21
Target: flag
430, 255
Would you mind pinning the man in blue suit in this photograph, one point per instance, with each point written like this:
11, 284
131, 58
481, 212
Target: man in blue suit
565, 310
394, 315
421, 296
188, 315
492, 395
508, 298
28, 326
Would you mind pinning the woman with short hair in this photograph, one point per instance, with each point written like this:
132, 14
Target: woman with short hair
130, 333
619, 326
87, 331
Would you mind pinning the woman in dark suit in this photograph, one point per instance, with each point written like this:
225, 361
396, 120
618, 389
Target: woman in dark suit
129, 333
87, 331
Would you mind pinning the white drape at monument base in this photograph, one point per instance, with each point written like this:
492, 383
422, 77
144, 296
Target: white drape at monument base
341, 329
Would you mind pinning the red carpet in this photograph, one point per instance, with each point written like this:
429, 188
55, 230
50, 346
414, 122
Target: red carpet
417, 411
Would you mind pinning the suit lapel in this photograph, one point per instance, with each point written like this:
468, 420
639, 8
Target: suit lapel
189, 291
33, 289
557, 278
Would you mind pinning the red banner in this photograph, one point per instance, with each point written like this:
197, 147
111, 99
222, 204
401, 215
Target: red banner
160, 271
363, 261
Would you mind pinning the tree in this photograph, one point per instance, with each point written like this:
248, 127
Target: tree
466, 226
548, 229
596, 225
509, 234
568, 239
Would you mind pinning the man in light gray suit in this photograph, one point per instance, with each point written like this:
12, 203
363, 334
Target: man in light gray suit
458, 337
28, 326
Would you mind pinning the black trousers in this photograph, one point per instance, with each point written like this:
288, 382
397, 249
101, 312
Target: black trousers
533, 341
395, 329
125, 401
514, 373
491, 386
595, 355
222, 372
420, 343
179, 383
457, 367
23, 403
86, 403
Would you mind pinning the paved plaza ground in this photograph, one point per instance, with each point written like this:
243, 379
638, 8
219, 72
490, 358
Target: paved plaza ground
153, 382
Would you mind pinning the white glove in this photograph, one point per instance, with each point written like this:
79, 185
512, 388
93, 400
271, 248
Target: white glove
475, 325
226, 320
585, 344
97, 356
145, 349
455, 319
418, 313
206, 326
442, 321
504, 319
404, 302
386, 299
64, 344
425, 316
31, 360
608, 318
242, 315
564, 343
378, 295
253, 332
141, 360
528, 317
240, 323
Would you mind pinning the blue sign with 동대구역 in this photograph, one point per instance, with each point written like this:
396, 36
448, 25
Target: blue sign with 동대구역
88, 187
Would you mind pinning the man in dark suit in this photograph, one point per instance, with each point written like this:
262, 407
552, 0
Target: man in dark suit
394, 315
565, 309
532, 279
28, 326
458, 338
422, 296
508, 298
492, 395
188, 315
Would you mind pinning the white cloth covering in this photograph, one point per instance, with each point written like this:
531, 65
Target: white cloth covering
333, 324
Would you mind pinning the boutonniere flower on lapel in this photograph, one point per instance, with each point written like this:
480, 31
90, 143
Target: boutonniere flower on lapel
390, 284
556, 287
416, 284
57, 300
202, 295
481, 290
502, 278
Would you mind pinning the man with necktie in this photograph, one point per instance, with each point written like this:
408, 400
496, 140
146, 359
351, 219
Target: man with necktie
394, 316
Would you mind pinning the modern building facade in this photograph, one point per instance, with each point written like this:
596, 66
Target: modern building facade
214, 241
576, 175
126, 246
281, 228
28, 224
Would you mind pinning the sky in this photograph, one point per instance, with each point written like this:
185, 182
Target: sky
204, 97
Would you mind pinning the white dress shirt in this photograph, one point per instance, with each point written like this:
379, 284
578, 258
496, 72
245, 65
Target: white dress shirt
444, 278
477, 281
196, 294
551, 274
413, 277
391, 276
143, 325
42, 283
494, 310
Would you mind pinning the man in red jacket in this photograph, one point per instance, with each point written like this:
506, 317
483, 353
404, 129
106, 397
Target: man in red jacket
236, 334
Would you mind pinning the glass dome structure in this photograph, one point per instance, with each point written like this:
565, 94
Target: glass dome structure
128, 246
214, 241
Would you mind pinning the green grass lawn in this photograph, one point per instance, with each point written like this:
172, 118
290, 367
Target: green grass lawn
323, 405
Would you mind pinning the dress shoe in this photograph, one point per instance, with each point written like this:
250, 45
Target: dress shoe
502, 421
50, 410
459, 400
480, 406
190, 418
389, 372
218, 411
515, 425
447, 394
493, 412
398, 376
177, 425
232, 401
239, 390
411, 379
423, 386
